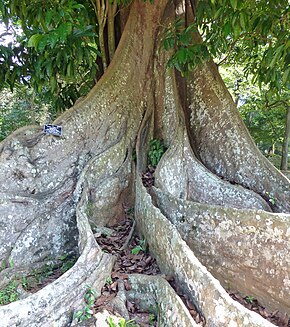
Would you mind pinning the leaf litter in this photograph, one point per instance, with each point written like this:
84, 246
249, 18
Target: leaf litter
128, 262
276, 317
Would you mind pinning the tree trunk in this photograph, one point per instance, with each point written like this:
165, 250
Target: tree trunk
285, 147
53, 188
112, 8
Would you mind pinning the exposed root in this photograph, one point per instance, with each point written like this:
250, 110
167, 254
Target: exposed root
128, 239
223, 143
181, 174
42, 308
220, 237
176, 259
134, 259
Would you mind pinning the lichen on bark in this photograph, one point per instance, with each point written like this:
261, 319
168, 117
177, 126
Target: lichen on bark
53, 187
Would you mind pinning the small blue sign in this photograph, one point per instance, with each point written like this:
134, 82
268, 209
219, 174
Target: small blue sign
55, 130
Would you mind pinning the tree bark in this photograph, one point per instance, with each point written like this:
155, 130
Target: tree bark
285, 146
112, 9
52, 188
101, 10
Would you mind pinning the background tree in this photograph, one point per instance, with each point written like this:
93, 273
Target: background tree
264, 112
21, 108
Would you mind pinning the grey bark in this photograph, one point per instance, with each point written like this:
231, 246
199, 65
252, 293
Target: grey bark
223, 143
54, 188
285, 146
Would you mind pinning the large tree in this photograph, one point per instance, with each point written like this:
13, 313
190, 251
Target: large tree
226, 200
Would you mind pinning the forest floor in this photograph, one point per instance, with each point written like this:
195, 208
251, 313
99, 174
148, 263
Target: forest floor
136, 258
133, 256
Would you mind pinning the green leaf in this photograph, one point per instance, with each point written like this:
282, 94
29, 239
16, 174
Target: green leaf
63, 30
227, 29
48, 17
286, 76
277, 54
78, 314
53, 83
34, 40
181, 56
234, 3
52, 39
255, 23
43, 42
243, 20
237, 31
218, 12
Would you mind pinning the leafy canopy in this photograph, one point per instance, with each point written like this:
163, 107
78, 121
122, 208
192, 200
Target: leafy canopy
55, 50
55, 47
255, 33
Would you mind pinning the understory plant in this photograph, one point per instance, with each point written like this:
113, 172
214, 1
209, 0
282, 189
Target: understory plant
86, 312
156, 151
140, 247
122, 323
9, 293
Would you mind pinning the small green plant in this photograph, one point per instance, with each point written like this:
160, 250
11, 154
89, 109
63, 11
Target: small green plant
90, 209
11, 263
24, 282
140, 247
109, 281
250, 299
271, 199
122, 323
9, 293
43, 273
67, 262
87, 311
156, 151
152, 319
3, 265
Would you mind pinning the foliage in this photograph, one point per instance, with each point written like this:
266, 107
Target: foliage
109, 281
41, 275
67, 262
140, 247
262, 111
250, 299
270, 198
21, 108
34, 279
86, 313
54, 50
235, 30
188, 54
90, 209
55, 45
122, 323
152, 319
9, 293
156, 151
